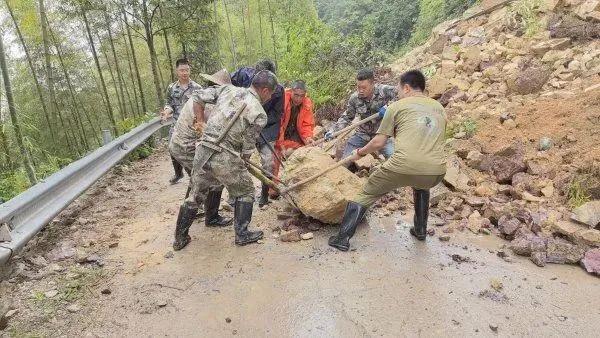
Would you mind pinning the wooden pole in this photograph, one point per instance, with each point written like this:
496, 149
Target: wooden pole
350, 127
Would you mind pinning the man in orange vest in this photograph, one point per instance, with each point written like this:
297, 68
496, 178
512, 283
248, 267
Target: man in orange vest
297, 122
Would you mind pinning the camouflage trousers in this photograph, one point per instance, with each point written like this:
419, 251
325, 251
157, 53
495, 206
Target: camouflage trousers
183, 154
222, 169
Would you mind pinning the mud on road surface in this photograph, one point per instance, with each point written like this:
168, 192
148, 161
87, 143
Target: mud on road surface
105, 268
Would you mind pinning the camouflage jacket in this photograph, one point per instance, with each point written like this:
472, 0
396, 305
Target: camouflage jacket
382, 95
177, 96
227, 100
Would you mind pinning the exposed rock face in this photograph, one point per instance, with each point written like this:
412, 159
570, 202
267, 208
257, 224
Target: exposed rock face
324, 198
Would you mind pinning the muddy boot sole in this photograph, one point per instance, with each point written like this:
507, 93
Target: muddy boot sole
335, 242
418, 236
249, 240
219, 223
175, 179
181, 243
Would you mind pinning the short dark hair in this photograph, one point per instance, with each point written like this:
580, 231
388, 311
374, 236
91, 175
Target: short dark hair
365, 74
298, 84
264, 79
414, 78
182, 61
266, 64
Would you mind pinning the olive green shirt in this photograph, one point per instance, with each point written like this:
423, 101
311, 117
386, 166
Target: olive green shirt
418, 125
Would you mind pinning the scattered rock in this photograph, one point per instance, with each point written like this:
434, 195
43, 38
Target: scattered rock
227, 320
476, 222
545, 144
444, 238
508, 225
460, 259
65, 251
169, 255
588, 213
539, 258
307, 236
290, 236
591, 261
530, 78
553, 44
39, 261
527, 245
505, 163
474, 201
73, 308
106, 291
438, 193
510, 124
474, 159
561, 251
548, 191
525, 195
496, 284
51, 293
455, 177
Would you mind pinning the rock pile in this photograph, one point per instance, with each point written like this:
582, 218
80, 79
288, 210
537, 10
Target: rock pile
507, 81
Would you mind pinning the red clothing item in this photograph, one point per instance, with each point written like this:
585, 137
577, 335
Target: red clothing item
305, 123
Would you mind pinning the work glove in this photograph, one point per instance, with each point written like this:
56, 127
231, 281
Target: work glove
382, 111
329, 136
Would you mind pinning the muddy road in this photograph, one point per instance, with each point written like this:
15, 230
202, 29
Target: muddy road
110, 271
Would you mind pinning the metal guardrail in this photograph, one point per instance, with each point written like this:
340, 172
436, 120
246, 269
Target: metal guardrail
26, 214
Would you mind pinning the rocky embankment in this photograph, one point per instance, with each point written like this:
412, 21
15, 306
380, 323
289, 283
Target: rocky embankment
522, 92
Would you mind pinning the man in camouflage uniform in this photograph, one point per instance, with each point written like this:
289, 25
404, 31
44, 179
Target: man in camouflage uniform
274, 109
178, 94
368, 99
182, 148
214, 164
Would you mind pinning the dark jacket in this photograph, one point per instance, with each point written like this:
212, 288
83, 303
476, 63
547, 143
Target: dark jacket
274, 110
274, 107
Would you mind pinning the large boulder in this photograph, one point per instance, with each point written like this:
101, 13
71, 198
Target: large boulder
324, 198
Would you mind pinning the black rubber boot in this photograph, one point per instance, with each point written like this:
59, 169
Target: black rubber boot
178, 168
241, 219
421, 199
184, 222
352, 217
211, 210
264, 196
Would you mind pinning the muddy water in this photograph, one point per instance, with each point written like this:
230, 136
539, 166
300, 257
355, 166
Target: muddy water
391, 285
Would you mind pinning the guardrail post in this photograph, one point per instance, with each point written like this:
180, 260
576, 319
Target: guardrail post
106, 136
